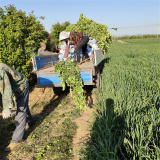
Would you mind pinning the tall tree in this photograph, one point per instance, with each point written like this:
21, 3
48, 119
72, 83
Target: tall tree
94, 30
20, 35
56, 29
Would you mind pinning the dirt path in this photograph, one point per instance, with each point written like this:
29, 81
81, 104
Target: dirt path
39, 95
121, 41
82, 133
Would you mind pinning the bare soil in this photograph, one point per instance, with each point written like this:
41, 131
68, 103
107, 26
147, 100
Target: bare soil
38, 95
121, 41
82, 133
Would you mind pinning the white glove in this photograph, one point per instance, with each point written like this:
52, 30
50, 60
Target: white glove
6, 113
72, 50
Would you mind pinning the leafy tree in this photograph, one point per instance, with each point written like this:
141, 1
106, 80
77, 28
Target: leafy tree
56, 29
94, 30
20, 35
114, 29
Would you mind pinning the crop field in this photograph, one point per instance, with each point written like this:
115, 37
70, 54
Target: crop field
120, 119
126, 120
127, 124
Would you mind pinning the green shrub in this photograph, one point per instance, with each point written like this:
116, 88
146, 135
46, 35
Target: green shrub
20, 35
94, 30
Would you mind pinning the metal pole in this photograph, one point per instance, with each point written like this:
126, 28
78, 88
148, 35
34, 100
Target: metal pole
158, 31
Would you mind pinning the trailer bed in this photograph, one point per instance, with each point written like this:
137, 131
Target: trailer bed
44, 66
83, 66
48, 77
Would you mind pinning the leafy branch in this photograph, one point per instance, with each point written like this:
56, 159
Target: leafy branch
94, 30
69, 73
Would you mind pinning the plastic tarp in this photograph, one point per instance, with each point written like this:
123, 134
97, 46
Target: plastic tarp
92, 45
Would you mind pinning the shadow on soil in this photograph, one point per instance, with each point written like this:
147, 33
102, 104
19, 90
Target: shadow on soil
88, 95
108, 130
7, 126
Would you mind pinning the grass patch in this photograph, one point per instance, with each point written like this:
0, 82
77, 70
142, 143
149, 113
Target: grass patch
127, 123
5, 133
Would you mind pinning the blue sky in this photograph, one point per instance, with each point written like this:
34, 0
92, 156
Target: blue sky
131, 17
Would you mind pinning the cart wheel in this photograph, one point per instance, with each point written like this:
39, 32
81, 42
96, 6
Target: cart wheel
98, 79
57, 91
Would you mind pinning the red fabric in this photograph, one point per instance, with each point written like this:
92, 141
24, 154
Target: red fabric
66, 52
75, 38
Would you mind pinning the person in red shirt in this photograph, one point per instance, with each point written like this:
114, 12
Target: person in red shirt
78, 39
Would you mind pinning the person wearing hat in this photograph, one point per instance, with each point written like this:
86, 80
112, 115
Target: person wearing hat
78, 39
14, 91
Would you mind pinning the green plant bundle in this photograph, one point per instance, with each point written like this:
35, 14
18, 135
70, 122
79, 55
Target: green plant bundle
69, 73
94, 30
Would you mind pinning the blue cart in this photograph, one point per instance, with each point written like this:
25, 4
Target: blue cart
44, 66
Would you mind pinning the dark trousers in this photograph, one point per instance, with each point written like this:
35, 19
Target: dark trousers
83, 46
23, 117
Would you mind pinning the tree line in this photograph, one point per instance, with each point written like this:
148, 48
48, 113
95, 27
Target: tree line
138, 37
21, 35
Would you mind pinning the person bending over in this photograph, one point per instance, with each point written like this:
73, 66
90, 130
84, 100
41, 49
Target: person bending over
78, 39
14, 91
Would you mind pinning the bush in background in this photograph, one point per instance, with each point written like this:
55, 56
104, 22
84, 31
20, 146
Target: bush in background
94, 30
20, 36
56, 30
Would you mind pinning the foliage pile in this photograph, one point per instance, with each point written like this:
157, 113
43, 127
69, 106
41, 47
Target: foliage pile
94, 30
127, 124
69, 73
20, 35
